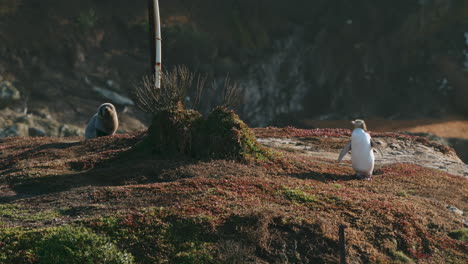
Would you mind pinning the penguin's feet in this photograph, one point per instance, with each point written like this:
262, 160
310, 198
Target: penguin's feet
363, 177
359, 176
368, 176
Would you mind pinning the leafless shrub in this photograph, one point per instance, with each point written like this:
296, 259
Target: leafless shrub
232, 95
199, 88
151, 99
174, 87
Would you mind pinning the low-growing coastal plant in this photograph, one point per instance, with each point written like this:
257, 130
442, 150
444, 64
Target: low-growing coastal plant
401, 257
58, 245
299, 196
459, 234
79, 245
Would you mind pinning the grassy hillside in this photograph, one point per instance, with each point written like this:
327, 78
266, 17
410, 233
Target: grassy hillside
58, 194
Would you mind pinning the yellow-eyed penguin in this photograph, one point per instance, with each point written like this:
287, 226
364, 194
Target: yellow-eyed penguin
104, 123
361, 145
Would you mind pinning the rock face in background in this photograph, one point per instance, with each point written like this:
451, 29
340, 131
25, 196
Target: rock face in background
321, 58
13, 124
336, 59
459, 144
8, 93
277, 85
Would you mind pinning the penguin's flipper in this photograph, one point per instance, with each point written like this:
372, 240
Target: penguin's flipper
345, 150
377, 147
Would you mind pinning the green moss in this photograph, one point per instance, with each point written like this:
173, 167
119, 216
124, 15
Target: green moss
155, 236
222, 135
172, 132
402, 194
299, 196
191, 243
195, 253
58, 245
8, 210
79, 245
226, 136
459, 234
17, 245
41, 216
337, 186
15, 212
400, 257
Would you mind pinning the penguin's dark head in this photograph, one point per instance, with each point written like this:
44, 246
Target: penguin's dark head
359, 123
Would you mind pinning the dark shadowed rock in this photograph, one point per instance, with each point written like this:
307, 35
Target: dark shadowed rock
36, 132
8, 93
10, 131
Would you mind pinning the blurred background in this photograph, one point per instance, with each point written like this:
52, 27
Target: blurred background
402, 65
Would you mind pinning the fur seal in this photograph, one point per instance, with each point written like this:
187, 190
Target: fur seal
361, 145
104, 123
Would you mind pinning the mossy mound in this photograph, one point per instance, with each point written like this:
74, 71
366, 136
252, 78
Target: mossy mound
228, 137
223, 135
172, 132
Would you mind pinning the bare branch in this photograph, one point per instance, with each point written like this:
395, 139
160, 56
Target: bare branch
174, 88
199, 86
232, 93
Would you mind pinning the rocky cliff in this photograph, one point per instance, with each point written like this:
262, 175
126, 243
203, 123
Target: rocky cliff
332, 59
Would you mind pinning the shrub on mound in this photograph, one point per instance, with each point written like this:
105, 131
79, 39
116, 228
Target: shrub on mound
223, 135
172, 132
226, 136
78, 245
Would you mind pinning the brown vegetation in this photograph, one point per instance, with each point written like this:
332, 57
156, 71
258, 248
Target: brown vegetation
192, 211
453, 127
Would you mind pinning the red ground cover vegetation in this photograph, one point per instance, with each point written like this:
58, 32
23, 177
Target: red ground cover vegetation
261, 212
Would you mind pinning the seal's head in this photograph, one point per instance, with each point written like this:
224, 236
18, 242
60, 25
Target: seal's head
359, 123
106, 110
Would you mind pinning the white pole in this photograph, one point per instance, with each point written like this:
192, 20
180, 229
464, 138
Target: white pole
157, 29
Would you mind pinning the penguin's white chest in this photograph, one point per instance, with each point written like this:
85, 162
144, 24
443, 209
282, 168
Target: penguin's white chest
361, 152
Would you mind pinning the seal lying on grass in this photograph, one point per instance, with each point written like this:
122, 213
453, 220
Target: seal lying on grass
104, 123
361, 145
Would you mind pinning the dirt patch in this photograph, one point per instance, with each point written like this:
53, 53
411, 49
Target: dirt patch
395, 151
